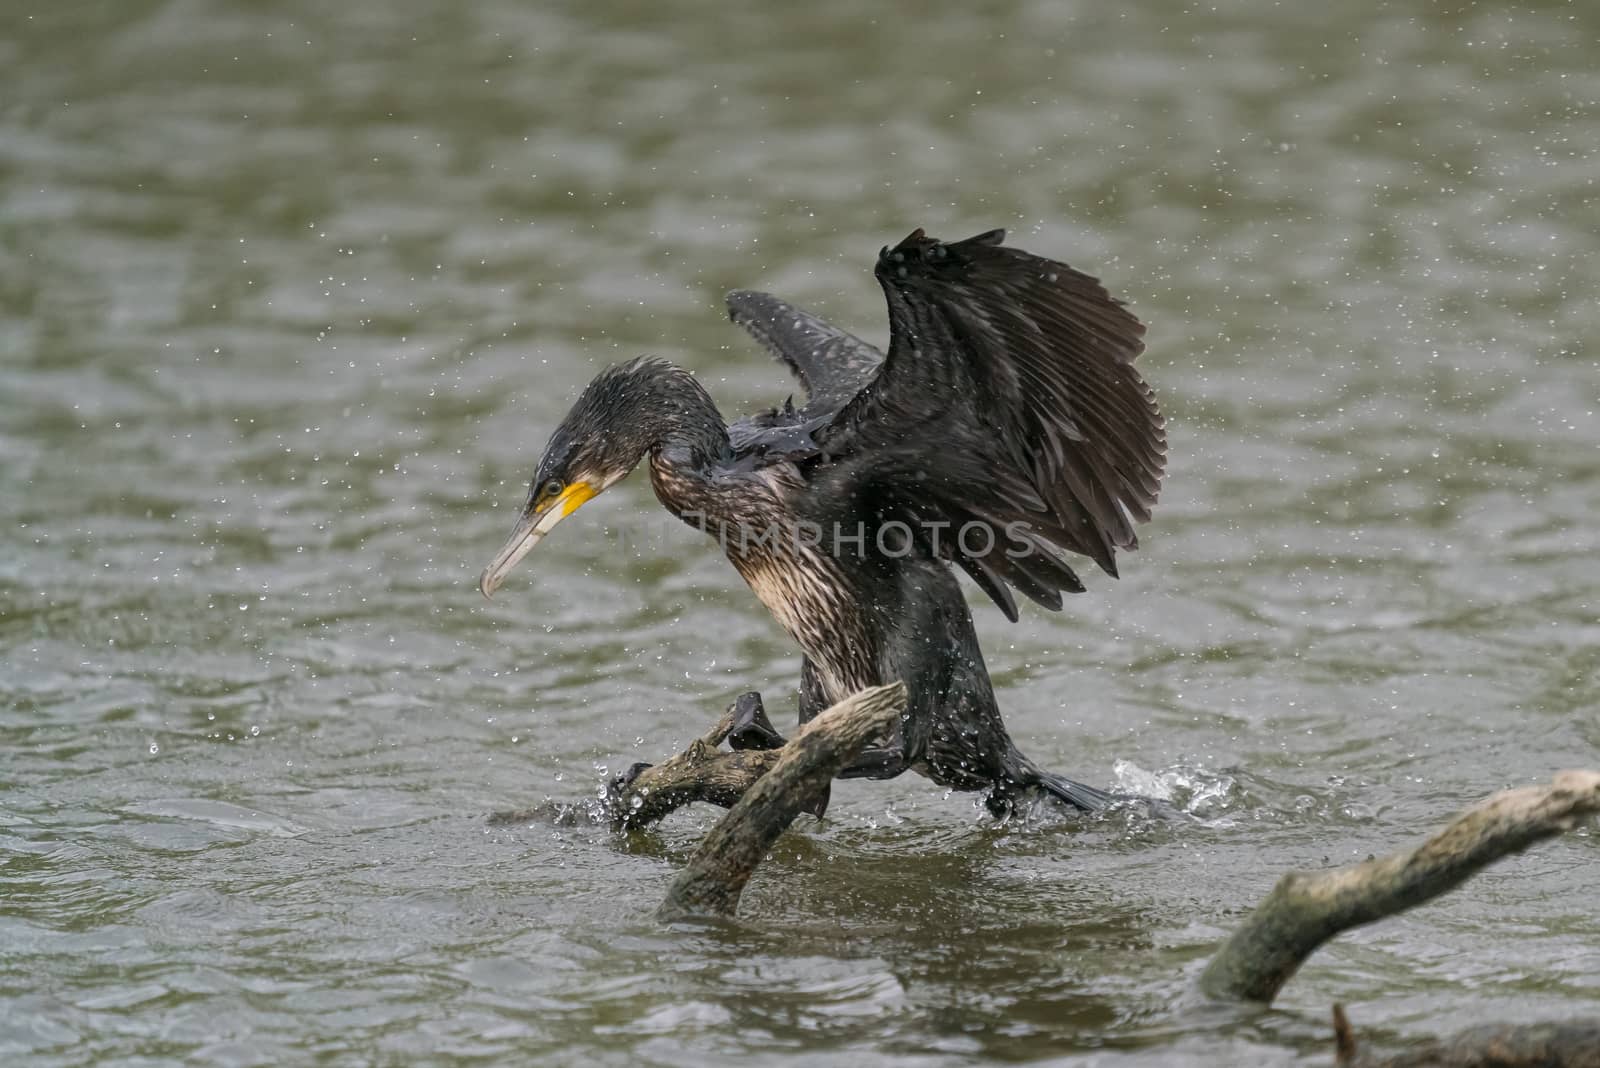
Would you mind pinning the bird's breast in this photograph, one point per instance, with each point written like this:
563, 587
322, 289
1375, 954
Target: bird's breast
785, 560
811, 599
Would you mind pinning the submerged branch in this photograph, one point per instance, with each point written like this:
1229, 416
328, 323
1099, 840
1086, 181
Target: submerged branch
648, 793
766, 789
1306, 909
721, 866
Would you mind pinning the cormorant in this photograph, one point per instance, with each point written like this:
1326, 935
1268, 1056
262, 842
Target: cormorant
1005, 418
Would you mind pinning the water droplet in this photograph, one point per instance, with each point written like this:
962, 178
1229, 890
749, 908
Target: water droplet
154, 749
255, 731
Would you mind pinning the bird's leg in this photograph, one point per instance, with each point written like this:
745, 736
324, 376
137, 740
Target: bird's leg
751, 727
885, 760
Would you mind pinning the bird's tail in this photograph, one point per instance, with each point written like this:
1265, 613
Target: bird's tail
1072, 793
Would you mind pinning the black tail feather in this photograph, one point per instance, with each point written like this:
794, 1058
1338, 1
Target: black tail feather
1076, 794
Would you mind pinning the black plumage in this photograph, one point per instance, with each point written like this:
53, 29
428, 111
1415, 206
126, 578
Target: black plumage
1005, 419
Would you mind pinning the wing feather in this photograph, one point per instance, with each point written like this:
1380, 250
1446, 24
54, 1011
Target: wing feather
1009, 379
831, 364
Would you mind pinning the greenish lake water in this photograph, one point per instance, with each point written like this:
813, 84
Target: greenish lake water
291, 294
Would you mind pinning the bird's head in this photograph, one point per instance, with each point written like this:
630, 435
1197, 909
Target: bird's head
603, 437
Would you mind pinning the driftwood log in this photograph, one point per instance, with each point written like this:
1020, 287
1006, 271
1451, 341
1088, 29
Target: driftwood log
1306, 909
1303, 911
765, 789
721, 866
648, 793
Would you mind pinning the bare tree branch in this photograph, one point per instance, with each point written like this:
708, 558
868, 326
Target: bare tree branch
702, 772
1306, 909
721, 866
766, 789
648, 793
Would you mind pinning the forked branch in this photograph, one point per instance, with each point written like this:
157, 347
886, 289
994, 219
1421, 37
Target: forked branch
721, 866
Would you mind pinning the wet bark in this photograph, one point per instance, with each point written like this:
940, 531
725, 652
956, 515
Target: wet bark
798, 779
648, 793
766, 789
1306, 909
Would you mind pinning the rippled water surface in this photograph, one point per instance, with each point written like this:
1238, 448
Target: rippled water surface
290, 295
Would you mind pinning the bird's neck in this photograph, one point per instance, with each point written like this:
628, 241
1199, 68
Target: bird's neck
688, 439
682, 418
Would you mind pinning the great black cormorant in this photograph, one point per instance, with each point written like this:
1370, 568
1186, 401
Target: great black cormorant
1006, 418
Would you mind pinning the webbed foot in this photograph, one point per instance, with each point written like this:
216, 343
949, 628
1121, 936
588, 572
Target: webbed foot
751, 727
623, 780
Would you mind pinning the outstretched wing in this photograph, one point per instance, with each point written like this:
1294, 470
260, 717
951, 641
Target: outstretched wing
1008, 400
831, 364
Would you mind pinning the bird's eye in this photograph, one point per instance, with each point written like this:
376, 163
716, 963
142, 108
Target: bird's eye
552, 487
